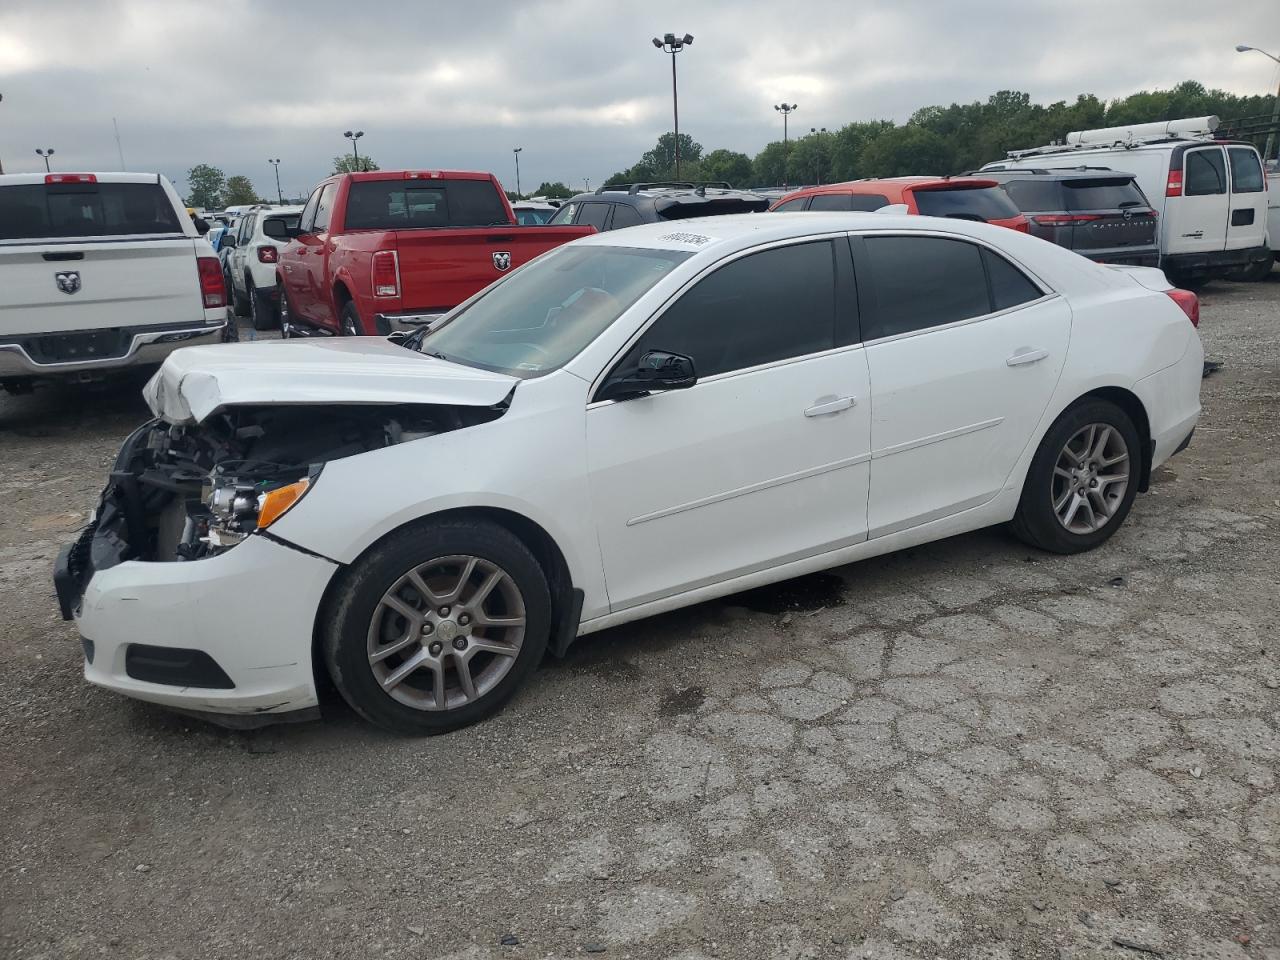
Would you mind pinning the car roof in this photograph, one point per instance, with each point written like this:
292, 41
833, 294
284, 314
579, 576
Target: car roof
892, 185
14, 179
634, 193
1074, 173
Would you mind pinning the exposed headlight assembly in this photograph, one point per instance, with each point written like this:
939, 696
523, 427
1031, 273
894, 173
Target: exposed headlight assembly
236, 506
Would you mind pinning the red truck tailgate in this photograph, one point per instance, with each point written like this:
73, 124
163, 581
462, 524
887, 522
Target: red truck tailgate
441, 268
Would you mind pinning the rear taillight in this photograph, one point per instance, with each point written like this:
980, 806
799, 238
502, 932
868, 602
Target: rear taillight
1173, 188
266, 254
1022, 225
70, 178
386, 276
1064, 219
212, 289
1189, 303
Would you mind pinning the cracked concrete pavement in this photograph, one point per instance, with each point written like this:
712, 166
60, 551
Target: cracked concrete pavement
967, 750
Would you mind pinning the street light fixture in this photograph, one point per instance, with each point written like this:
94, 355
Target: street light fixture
355, 152
672, 44
516, 152
1275, 113
785, 109
46, 153
279, 193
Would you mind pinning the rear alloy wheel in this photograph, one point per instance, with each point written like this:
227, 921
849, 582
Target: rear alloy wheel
437, 627
350, 320
1082, 481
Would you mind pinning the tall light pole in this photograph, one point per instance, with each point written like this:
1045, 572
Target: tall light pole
785, 109
672, 44
820, 133
46, 153
355, 152
1275, 113
279, 193
516, 152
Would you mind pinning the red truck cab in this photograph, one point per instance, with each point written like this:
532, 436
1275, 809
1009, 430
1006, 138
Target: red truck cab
966, 198
391, 250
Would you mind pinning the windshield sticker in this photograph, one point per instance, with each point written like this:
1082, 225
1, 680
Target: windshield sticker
696, 239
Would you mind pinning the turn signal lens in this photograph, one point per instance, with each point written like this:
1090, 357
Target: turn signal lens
274, 504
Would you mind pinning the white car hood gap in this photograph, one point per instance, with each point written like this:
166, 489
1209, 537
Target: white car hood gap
197, 381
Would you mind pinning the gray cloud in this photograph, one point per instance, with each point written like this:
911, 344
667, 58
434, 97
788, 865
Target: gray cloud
576, 83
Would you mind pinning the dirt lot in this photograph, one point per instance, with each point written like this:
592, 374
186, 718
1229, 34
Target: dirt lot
964, 751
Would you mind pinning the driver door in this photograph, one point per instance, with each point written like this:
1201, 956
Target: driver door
765, 459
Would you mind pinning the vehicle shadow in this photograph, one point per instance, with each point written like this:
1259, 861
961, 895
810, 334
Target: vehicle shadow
62, 408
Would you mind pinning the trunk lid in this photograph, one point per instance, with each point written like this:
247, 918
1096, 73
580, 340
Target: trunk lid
440, 268
197, 381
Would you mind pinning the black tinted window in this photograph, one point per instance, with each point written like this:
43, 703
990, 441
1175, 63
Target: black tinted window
764, 307
624, 216
594, 214
831, 201
1038, 196
408, 204
85, 210
1205, 173
920, 282
1246, 172
1009, 285
980, 203
1103, 194
791, 206
868, 202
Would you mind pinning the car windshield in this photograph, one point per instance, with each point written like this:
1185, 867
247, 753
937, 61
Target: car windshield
542, 315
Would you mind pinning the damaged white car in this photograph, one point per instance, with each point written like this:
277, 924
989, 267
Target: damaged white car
634, 422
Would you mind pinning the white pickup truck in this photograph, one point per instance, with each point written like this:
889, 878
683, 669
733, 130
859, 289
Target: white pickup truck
100, 272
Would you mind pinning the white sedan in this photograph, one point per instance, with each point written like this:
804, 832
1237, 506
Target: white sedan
634, 422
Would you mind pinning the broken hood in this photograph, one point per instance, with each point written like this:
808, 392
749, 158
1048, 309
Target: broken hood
196, 381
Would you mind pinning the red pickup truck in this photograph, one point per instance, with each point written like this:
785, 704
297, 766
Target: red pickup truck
391, 250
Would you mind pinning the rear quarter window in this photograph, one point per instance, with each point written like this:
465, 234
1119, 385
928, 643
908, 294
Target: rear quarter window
868, 202
85, 210
974, 203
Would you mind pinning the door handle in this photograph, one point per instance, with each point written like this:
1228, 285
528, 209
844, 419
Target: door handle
830, 406
1026, 355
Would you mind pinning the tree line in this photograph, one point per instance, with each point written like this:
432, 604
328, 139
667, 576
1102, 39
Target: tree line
936, 140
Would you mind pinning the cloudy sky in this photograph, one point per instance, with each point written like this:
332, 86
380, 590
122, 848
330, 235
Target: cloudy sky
576, 83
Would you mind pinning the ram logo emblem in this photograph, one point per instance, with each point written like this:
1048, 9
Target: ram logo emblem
68, 281
502, 260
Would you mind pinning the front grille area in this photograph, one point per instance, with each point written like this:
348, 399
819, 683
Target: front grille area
175, 667
107, 344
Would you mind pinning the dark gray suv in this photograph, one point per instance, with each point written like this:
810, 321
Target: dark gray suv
631, 204
1099, 213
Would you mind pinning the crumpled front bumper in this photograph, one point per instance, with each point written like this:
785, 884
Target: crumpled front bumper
251, 610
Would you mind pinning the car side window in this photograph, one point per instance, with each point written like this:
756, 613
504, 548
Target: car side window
1246, 171
594, 214
306, 223
868, 202
791, 206
1009, 285
831, 201
564, 215
325, 207
246, 229
764, 307
921, 282
1206, 174
625, 216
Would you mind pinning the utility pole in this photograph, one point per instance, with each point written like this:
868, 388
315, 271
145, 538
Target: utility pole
672, 44
279, 193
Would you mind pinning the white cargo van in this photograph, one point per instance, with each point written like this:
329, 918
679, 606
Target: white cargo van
1210, 194
99, 272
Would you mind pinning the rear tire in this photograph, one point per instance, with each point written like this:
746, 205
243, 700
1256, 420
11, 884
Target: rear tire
349, 320
1082, 480
239, 303
412, 614
262, 310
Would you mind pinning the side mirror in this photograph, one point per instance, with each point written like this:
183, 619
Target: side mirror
658, 371
292, 232
202, 226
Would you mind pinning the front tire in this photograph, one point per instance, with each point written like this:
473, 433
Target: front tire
437, 626
1082, 480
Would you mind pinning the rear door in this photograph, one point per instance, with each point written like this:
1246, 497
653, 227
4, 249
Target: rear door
1196, 222
965, 351
1247, 226
82, 256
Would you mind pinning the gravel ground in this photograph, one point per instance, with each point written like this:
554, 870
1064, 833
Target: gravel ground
961, 751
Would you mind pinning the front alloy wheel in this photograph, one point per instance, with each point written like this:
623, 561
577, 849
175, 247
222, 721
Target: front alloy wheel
446, 633
437, 625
